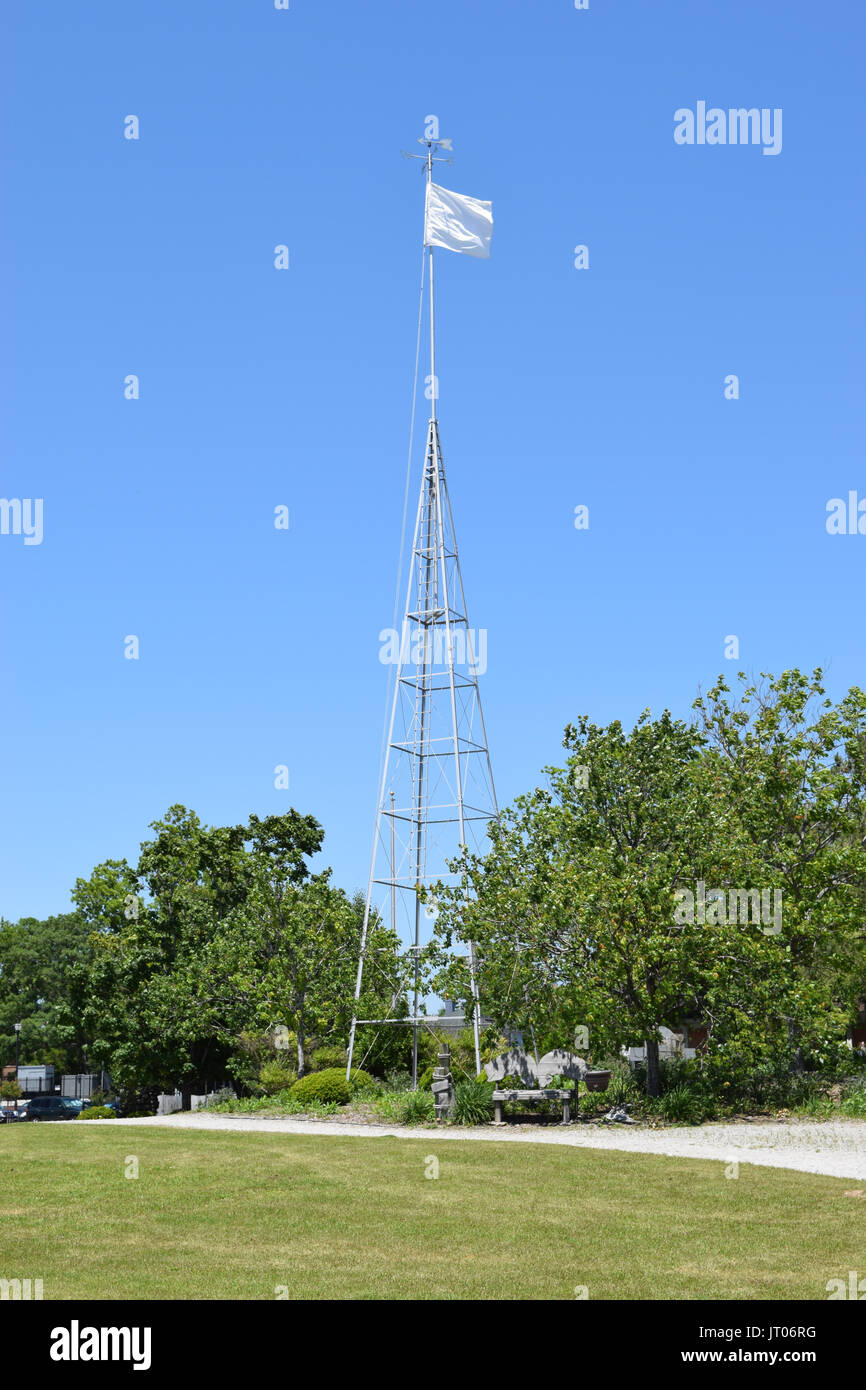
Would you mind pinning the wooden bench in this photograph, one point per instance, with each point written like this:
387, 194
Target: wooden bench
564, 1097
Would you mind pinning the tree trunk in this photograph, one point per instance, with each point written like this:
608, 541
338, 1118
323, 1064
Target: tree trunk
798, 1062
300, 1051
653, 1086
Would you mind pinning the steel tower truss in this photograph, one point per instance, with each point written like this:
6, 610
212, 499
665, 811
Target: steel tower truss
437, 792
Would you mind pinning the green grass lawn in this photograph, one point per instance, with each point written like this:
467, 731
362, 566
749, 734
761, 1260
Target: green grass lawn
235, 1215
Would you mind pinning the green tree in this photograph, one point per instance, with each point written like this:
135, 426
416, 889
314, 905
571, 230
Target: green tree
793, 766
574, 905
574, 909
217, 934
150, 931
289, 954
36, 961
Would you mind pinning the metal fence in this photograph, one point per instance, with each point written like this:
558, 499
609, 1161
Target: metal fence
81, 1085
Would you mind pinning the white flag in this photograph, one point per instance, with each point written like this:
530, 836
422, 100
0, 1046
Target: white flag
457, 223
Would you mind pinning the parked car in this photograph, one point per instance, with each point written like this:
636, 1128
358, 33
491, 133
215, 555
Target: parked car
53, 1108
14, 1112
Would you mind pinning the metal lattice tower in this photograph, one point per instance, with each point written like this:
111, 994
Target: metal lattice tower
437, 791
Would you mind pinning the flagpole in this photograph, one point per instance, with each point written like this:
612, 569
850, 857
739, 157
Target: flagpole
433, 384
429, 566
434, 448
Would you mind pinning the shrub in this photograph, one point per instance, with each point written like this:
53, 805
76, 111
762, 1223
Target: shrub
140, 1100
399, 1080
462, 1047
275, 1077
513, 1082
329, 1059
381, 1050
473, 1103
220, 1097
254, 1051
817, 1107
10, 1090
425, 1080
97, 1112
621, 1088
416, 1107
805, 1089
592, 1102
323, 1086
389, 1104
681, 1104
854, 1103
361, 1080
283, 1104
676, 1071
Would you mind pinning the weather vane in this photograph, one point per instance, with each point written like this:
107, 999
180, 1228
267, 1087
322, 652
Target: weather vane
431, 157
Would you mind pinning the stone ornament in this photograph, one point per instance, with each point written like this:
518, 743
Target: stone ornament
442, 1085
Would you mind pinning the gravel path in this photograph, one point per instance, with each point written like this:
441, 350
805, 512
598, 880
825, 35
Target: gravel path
836, 1148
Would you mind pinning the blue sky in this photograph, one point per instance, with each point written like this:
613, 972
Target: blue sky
559, 387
